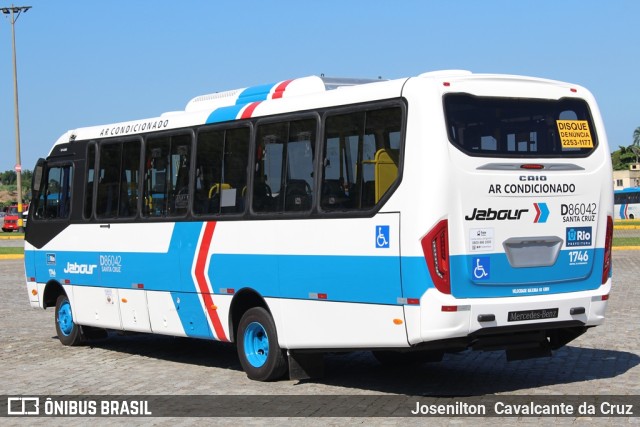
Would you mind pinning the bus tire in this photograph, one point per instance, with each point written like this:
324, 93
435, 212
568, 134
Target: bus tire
68, 331
260, 355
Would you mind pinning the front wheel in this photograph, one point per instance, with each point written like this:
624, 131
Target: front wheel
260, 355
68, 331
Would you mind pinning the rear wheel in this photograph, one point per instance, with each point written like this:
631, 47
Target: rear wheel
260, 355
68, 331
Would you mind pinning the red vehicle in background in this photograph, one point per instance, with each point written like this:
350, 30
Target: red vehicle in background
11, 217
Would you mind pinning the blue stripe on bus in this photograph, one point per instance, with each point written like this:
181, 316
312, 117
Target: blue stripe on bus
622, 208
415, 277
29, 264
365, 279
504, 280
250, 94
192, 315
368, 279
255, 93
224, 114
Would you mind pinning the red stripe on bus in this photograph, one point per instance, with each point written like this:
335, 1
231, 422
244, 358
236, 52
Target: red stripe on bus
246, 114
535, 205
201, 279
280, 89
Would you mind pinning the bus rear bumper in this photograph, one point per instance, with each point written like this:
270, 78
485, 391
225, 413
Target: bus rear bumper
443, 317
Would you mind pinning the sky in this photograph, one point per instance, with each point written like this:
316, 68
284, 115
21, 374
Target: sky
85, 63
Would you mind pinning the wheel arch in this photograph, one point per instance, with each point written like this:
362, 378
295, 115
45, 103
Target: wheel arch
242, 301
52, 290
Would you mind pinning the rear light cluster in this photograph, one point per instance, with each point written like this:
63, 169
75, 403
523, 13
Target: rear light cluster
435, 246
606, 265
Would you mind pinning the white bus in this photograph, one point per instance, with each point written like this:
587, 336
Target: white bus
410, 217
627, 203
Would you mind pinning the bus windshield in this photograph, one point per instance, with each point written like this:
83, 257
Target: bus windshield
516, 127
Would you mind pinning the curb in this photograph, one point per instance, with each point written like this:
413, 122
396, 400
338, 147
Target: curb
12, 256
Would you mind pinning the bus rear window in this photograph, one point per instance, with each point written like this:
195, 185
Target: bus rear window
518, 127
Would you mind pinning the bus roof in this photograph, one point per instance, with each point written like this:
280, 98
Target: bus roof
240, 103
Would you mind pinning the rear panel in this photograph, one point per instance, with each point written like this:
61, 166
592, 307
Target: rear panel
530, 192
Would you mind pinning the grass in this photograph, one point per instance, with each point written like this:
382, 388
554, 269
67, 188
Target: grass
11, 234
626, 222
626, 241
12, 251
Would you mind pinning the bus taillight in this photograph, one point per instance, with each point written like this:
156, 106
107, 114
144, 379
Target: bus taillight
606, 267
435, 246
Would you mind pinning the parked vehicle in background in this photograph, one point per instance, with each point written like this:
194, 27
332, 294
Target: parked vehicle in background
11, 218
627, 203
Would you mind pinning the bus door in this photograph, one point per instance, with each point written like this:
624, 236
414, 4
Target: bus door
46, 257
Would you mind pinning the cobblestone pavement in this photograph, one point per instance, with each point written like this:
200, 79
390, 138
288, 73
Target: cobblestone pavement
604, 361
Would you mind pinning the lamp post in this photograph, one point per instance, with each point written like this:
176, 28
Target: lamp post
13, 13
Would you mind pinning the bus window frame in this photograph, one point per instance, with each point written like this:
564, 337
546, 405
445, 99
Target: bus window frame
189, 130
320, 116
225, 127
98, 143
50, 163
285, 118
365, 107
518, 154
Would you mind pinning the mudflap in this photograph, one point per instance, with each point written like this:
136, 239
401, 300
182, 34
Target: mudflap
304, 366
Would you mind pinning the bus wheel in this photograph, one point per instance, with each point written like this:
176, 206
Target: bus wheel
258, 349
68, 331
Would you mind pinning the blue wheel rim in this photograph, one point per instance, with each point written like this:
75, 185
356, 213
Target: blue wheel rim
65, 319
256, 344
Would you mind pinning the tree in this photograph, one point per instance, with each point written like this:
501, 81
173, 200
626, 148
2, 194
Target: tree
624, 156
8, 179
635, 147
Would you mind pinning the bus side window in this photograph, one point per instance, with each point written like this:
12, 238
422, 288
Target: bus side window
55, 199
166, 175
117, 180
221, 171
235, 165
361, 157
283, 178
89, 179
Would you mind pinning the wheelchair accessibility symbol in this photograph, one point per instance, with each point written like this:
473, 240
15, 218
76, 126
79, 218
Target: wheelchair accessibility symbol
382, 236
481, 268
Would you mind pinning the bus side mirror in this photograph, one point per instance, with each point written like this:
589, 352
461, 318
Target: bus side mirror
36, 181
